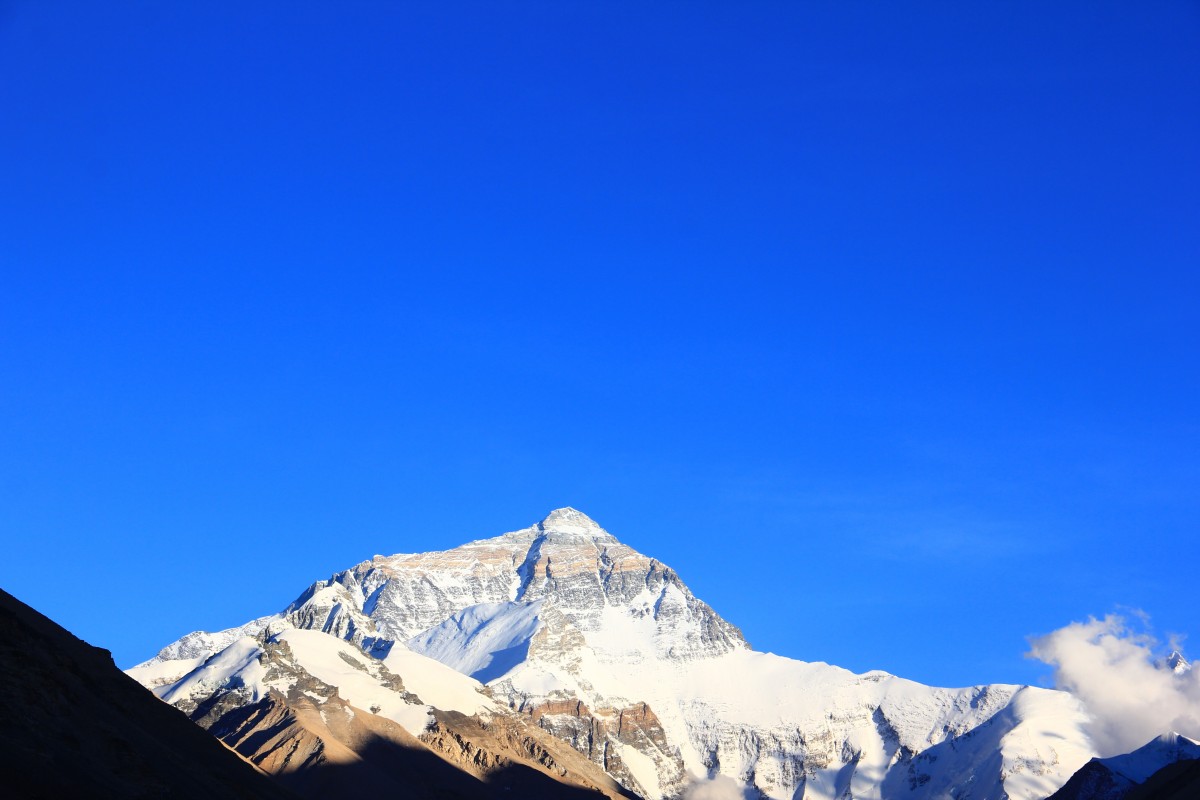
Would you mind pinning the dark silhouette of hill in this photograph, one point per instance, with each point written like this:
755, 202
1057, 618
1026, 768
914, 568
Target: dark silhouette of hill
72, 725
1178, 781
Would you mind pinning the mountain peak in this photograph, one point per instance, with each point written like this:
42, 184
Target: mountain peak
572, 522
1177, 663
1160, 751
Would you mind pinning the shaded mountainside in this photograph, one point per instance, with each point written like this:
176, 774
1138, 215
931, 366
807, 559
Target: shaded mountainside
76, 726
564, 627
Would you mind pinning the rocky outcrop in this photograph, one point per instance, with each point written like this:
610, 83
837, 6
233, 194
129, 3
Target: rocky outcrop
318, 749
492, 746
602, 736
333, 607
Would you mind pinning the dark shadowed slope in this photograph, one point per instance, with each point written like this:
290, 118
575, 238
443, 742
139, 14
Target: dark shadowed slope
76, 726
1178, 781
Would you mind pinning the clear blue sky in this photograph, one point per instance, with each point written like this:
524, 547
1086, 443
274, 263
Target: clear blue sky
878, 322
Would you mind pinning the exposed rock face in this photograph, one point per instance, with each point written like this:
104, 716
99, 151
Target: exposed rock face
333, 607
566, 559
593, 734
609, 651
75, 726
493, 746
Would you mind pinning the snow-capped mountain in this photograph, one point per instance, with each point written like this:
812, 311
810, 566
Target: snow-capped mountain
608, 650
1177, 663
1115, 777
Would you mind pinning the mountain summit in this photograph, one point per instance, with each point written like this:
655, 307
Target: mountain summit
569, 521
564, 628
1177, 663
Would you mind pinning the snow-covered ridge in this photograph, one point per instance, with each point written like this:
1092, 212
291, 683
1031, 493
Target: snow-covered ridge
201, 643
279, 662
608, 649
1139, 765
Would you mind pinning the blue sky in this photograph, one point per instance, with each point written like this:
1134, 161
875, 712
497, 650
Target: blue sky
878, 324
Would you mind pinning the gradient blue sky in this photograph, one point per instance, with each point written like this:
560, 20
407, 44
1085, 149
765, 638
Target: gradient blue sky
878, 322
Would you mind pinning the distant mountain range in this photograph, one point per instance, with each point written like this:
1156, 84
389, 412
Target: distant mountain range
560, 646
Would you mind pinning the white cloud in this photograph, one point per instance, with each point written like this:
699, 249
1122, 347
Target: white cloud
1131, 696
718, 788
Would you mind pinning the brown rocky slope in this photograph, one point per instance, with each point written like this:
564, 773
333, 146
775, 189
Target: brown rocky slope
301, 729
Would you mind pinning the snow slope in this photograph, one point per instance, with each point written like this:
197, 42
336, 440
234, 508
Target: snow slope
484, 641
360, 680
